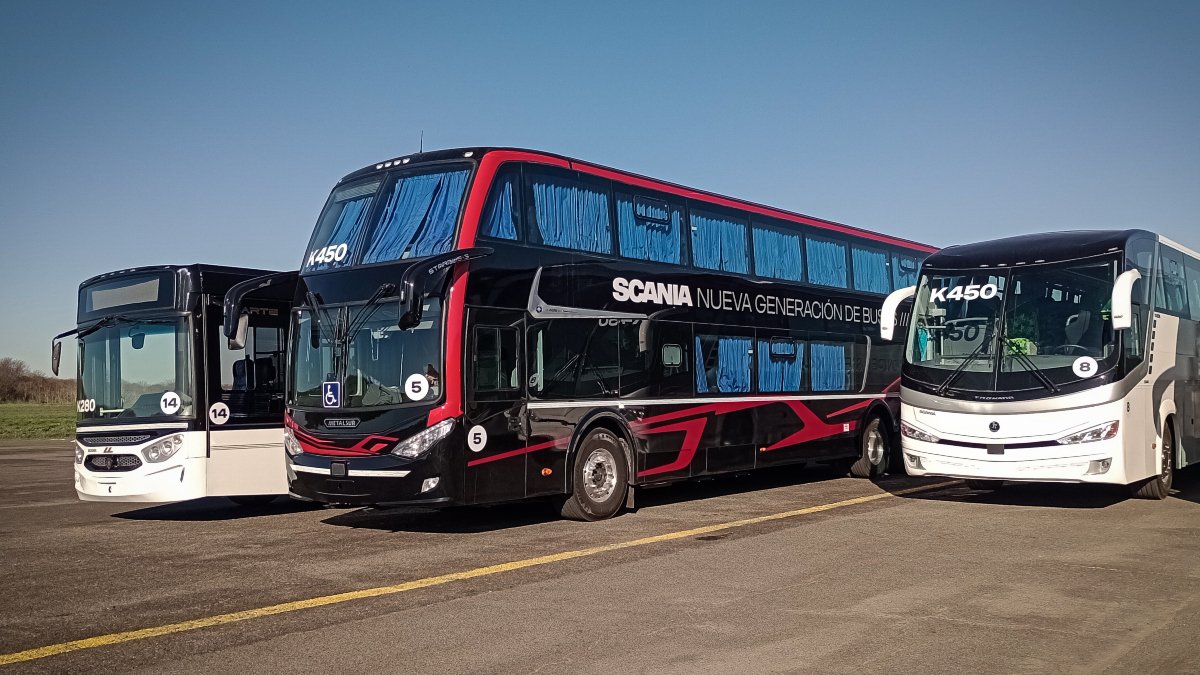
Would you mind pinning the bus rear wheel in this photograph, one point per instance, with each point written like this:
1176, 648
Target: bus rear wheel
601, 478
1159, 487
876, 449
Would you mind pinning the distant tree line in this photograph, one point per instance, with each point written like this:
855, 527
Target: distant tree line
19, 384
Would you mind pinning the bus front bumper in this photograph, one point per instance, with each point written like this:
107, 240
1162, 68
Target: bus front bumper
171, 481
1100, 465
380, 480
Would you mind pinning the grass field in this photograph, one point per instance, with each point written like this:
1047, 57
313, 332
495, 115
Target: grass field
37, 420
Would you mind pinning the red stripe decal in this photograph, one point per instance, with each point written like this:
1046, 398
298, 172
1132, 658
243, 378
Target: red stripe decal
693, 430
856, 406
814, 429
556, 443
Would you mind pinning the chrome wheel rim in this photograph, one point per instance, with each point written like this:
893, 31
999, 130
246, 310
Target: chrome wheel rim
600, 475
875, 446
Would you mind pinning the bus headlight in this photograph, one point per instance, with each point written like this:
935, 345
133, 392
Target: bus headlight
1099, 433
916, 434
164, 449
78, 453
421, 443
290, 444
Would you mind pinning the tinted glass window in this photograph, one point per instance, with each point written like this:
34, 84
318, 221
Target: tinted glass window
341, 223
573, 358
777, 253
870, 270
501, 215
252, 377
718, 242
722, 363
1140, 256
1192, 276
495, 359
904, 271
1170, 293
648, 228
418, 215
826, 262
780, 364
569, 212
833, 366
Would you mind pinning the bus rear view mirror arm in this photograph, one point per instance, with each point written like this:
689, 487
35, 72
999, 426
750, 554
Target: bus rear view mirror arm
1122, 299
279, 286
887, 315
56, 349
414, 284
541, 309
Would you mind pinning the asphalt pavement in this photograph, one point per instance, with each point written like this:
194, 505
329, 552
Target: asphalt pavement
882, 577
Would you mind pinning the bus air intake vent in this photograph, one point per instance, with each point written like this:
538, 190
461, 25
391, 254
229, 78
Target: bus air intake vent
112, 462
115, 440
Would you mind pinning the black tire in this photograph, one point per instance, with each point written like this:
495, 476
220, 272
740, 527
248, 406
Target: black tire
1159, 487
601, 473
253, 500
982, 484
875, 450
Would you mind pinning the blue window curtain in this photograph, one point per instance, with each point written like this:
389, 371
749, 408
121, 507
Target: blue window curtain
777, 255
419, 217
779, 374
904, 272
826, 262
498, 222
731, 372
870, 271
572, 214
347, 229
719, 243
646, 239
829, 371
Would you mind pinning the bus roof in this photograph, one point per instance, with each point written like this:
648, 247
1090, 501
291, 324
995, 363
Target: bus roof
1034, 248
220, 274
477, 153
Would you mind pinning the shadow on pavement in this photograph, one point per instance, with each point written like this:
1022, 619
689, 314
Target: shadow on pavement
215, 508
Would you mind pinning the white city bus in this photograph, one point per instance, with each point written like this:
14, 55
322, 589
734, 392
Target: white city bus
167, 409
1065, 357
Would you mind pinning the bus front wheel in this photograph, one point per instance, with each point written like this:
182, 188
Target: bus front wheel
601, 478
873, 461
1159, 487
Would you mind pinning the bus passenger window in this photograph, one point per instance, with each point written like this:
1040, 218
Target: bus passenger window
1192, 276
501, 214
1170, 293
826, 262
569, 213
723, 364
495, 359
870, 270
904, 271
718, 242
777, 254
832, 366
648, 229
780, 365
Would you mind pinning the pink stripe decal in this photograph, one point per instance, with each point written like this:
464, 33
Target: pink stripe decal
556, 443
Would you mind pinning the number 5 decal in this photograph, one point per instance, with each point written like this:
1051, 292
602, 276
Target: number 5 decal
477, 438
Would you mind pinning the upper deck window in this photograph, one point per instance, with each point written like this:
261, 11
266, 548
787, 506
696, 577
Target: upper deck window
340, 225
870, 270
777, 254
570, 213
904, 271
418, 216
719, 242
826, 262
501, 215
648, 229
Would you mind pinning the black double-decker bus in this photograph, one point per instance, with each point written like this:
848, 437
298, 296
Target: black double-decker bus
482, 325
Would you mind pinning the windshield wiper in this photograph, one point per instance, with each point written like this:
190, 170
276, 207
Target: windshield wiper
966, 362
1024, 360
368, 310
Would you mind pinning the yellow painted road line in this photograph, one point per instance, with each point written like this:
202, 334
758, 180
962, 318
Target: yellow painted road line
114, 638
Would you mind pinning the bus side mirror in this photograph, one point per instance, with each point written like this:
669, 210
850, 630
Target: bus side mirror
887, 315
238, 339
55, 356
1122, 299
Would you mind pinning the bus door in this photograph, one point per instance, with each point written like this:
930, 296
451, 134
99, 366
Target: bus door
495, 411
246, 403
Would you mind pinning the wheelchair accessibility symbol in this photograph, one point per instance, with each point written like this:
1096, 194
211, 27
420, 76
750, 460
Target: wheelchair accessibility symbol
331, 394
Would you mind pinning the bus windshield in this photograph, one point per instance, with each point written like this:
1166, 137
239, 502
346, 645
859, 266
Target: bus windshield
137, 369
361, 347
1011, 330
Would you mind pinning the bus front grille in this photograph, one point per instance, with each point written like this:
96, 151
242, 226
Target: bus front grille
112, 462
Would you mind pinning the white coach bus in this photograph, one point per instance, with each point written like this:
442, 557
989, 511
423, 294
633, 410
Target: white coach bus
1064, 357
168, 410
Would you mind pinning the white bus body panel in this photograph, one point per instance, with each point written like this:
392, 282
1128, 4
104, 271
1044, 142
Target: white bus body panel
180, 477
247, 462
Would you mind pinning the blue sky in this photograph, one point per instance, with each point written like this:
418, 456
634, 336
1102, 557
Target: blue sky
139, 134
